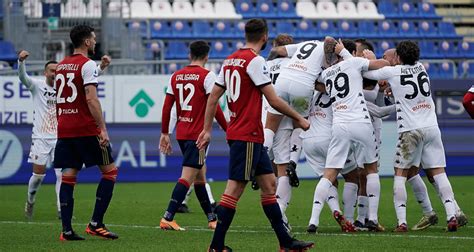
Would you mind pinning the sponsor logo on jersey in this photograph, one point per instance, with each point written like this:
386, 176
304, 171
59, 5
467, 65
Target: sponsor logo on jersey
185, 119
67, 111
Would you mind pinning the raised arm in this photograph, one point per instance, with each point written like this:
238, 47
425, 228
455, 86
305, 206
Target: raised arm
104, 63
24, 78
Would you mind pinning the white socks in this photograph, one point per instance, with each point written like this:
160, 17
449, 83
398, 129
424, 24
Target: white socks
363, 208
57, 187
446, 194
333, 199
209, 194
268, 135
456, 206
400, 199
283, 193
373, 192
349, 200
320, 195
421, 193
33, 186
296, 143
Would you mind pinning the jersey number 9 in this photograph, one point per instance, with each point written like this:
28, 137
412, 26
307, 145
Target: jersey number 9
306, 50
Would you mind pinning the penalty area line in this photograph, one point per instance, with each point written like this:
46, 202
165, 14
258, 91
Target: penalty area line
197, 229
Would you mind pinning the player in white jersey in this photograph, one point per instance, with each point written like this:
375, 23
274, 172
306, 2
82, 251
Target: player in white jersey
419, 136
44, 135
352, 126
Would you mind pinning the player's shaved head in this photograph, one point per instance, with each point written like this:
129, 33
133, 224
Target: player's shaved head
79, 34
363, 44
199, 49
391, 56
49, 63
255, 29
408, 52
283, 39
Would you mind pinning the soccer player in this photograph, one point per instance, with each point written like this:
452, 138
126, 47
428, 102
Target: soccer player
351, 126
419, 136
82, 134
244, 75
44, 127
189, 89
468, 102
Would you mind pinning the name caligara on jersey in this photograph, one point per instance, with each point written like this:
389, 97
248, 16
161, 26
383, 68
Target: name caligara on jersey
187, 77
412, 70
235, 62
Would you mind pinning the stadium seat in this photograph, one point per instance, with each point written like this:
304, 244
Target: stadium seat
446, 30
347, 29
220, 49
367, 9
203, 9
367, 29
245, 8
286, 9
176, 50
94, 9
382, 46
387, 29
306, 29
306, 9
347, 9
446, 70
265, 52
161, 9
223, 29
239, 29
426, 10
466, 49
140, 9
407, 9
326, 9
116, 9
265, 9
448, 49
181, 29
272, 31
202, 29
225, 9
160, 29
432, 70
183, 9
172, 67
407, 29
139, 26
153, 51
33, 9
428, 29
7, 51
428, 49
466, 70
326, 28
388, 8
237, 45
285, 27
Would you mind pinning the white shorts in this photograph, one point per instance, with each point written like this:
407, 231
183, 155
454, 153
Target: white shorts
282, 146
378, 145
421, 146
316, 149
359, 136
298, 95
42, 151
286, 122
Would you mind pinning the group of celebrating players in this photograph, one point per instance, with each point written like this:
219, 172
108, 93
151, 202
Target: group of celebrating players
325, 98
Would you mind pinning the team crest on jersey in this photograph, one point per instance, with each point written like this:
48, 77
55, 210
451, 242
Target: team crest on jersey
96, 73
265, 70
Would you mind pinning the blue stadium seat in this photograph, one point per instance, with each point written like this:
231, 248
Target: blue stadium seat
466, 70
446, 30
181, 29
172, 67
382, 46
272, 31
265, 9
223, 29
305, 29
140, 26
432, 70
428, 49
388, 8
407, 9
466, 49
285, 27
202, 29
427, 10
160, 29
7, 51
176, 50
326, 28
428, 29
347, 29
153, 51
446, 70
367, 29
387, 29
245, 8
448, 49
407, 29
220, 49
286, 9
265, 52
239, 29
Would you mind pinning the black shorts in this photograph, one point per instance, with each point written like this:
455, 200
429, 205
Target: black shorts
192, 156
247, 160
77, 151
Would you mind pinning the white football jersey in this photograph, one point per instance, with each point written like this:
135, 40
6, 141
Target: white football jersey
344, 85
371, 96
411, 89
320, 117
275, 67
306, 61
44, 102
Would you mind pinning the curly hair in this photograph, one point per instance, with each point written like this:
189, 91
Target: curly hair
283, 39
408, 51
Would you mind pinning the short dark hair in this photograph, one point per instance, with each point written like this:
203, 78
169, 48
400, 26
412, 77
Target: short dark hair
365, 44
255, 29
368, 82
408, 51
199, 49
283, 39
79, 34
350, 45
49, 63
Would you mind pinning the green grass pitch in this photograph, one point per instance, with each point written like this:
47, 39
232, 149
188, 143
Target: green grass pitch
136, 210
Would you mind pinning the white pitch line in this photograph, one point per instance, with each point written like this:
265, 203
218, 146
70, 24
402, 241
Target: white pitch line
200, 229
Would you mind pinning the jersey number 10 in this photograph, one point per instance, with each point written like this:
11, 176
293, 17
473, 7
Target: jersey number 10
232, 82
